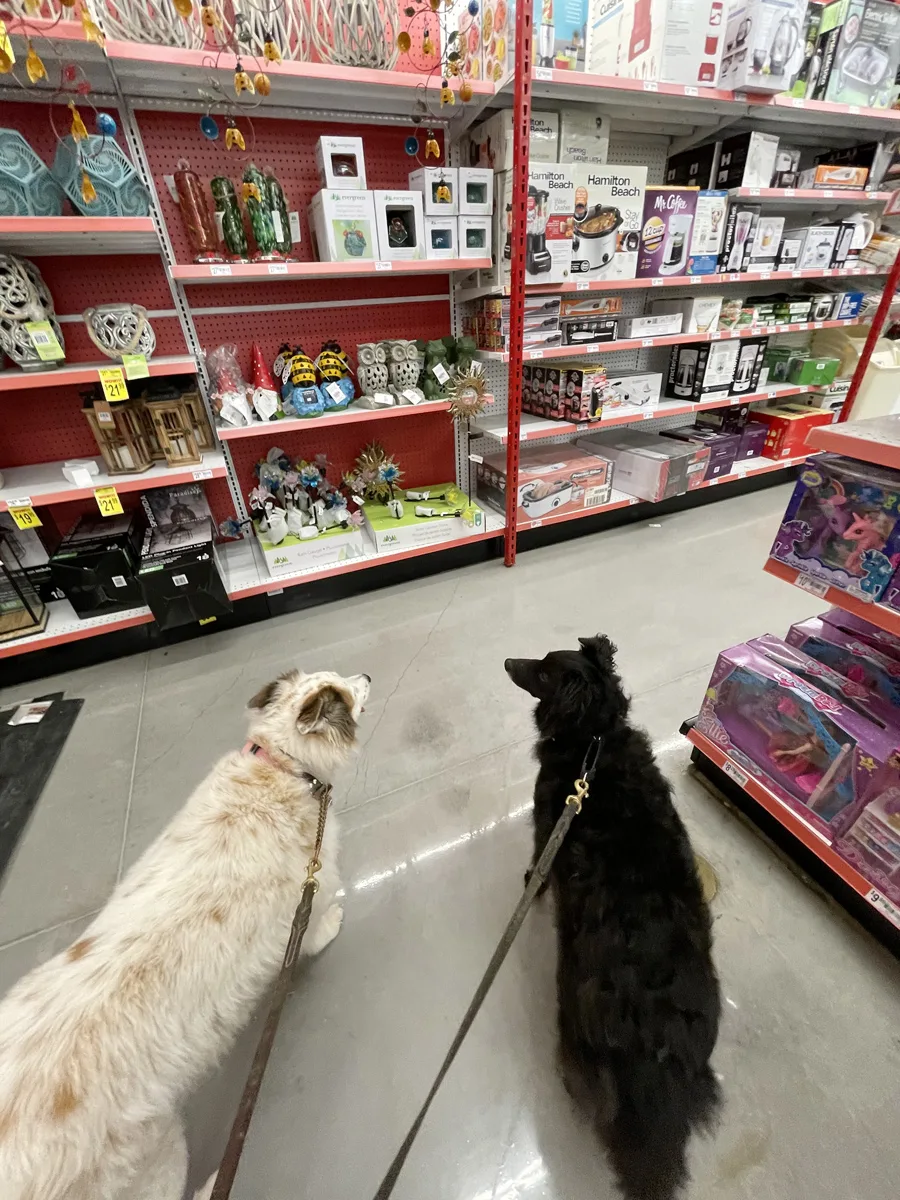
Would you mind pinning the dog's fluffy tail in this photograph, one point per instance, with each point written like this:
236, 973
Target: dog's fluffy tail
658, 1107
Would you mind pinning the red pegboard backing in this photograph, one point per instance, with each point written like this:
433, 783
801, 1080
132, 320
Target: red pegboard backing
287, 147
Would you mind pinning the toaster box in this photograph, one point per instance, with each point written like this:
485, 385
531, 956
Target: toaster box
666, 229
609, 209
859, 50
552, 480
699, 372
650, 467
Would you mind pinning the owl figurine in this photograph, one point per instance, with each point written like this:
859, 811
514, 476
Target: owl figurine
404, 370
372, 373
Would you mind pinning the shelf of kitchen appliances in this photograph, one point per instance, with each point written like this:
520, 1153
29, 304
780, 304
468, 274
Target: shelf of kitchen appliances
17, 380
811, 197
875, 614
876, 440
683, 281
675, 339
44, 483
534, 429
37, 236
247, 575
64, 625
346, 417
812, 839
266, 272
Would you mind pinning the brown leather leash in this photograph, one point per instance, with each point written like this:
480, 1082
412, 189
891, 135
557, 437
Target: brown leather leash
231, 1159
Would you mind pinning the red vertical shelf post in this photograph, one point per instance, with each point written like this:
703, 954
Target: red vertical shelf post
519, 215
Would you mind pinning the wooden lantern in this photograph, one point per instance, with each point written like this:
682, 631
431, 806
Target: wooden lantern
203, 434
174, 426
121, 435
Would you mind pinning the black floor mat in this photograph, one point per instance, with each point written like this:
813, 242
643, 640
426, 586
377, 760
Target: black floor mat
28, 754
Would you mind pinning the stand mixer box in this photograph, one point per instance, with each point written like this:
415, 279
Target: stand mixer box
608, 207
859, 49
764, 46
666, 228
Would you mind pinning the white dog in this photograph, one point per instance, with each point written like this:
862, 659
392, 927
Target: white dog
100, 1046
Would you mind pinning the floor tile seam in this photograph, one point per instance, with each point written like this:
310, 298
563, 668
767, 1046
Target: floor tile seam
27, 937
137, 744
668, 682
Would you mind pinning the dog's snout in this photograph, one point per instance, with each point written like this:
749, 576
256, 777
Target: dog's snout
367, 678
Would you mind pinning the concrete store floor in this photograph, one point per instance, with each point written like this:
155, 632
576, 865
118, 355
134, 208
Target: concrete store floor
436, 836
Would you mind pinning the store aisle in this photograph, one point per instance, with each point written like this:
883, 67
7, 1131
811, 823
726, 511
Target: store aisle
436, 836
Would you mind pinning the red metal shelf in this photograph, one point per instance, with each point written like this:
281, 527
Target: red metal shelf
44, 483
825, 195
16, 380
267, 272
36, 236
347, 417
875, 614
876, 440
64, 625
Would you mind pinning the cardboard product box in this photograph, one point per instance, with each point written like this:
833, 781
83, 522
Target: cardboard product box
551, 202
175, 505
543, 390
490, 143
723, 447
96, 564
441, 237
836, 177
746, 160
847, 234
787, 167
810, 65
740, 229
816, 372
765, 244
788, 426
751, 356
439, 187
818, 247
693, 40
584, 331
764, 49
703, 371
410, 531
642, 30
666, 229
341, 163
652, 325
33, 548
700, 314
636, 391
296, 554
727, 420
583, 137
791, 248
753, 440
401, 226
180, 575
584, 391
696, 167
608, 215
570, 307
604, 37
708, 234
731, 312
475, 191
498, 38
552, 480
859, 50
539, 338
847, 304
560, 34
474, 237
343, 226
875, 156
758, 310
650, 467
821, 306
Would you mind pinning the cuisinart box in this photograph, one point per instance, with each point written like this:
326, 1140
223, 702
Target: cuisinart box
604, 43
609, 207
548, 248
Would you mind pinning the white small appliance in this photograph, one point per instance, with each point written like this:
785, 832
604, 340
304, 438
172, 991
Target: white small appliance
678, 240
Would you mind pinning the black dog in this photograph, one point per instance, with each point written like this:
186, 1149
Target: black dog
638, 994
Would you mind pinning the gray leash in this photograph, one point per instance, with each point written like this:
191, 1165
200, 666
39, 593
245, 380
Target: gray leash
538, 877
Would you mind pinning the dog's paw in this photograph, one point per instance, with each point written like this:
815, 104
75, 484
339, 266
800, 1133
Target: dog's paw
327, 929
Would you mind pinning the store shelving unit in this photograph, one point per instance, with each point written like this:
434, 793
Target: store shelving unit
78, 235
16, 380
266, 272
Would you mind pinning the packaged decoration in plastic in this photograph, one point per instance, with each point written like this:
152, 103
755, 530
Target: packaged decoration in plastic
195, 214
851, 657
233, 234
299, 390
228, 388
255, 193
281, 218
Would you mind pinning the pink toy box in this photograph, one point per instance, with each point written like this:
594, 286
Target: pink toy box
842, 525
552, 479
872, 843
851, 657
886, 643
777, 713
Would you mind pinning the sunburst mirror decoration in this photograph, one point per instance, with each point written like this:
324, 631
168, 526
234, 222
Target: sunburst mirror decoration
467, 393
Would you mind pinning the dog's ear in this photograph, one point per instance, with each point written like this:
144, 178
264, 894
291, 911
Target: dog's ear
599, 650
328, 709
266, 694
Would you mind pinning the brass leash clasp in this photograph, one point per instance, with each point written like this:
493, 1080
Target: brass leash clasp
311, 871
580, 793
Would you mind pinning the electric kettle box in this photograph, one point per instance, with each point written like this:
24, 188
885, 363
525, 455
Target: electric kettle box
608, 208
439, 187
583, 137
859, 48
708, 233
666, 227
343, 226
764, 46
746, 160
559, 34
401, 226
552, 480
700, 372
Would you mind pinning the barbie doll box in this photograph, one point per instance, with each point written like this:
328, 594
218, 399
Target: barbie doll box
855, 659
799, 728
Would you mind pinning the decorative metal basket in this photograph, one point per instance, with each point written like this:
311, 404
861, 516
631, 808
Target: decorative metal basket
27, 189
117, 329
23, 298
120, 192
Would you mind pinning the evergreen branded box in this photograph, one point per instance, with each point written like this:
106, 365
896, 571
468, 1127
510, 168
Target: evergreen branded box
343, 226
410, 531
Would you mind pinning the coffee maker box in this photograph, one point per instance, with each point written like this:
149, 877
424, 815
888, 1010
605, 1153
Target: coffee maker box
604, 42
751, 353
708, 234
764, 46
700, 372
859, 49
548, 241
666, 229
559, 34
609, 208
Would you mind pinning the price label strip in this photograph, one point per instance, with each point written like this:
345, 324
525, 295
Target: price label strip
108, 501
25, 518
113, 383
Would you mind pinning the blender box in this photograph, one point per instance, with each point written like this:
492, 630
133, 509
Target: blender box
700, 314
341, 163
666, 226
693, 39
746, 160
740, 226
765, 243
583, 137
650, 467
859, 49
490, 142
409, 531
703, 371
548, 253
401, 226
750, 359
440, 237
439, 187
603, 53
560, 29
343, 226
764, 46
552, 480
708, 234
608, 209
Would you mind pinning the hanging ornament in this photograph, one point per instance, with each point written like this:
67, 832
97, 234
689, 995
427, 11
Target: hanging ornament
91, 30
467, 394
262, 83
209, 128
431, 145
79, 133
67, 3
242, 30
473, 8
250, 191
88, 193
270, 50
242, 81
83, 87
70, 73
427, 44
447, 96
33, 64
106, 124
434, 5
234, 137
6, 60
411, 146
465, 91
453, 67
404, 42
209, 16
184, 8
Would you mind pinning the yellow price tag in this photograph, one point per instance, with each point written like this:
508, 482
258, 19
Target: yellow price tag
108, 501
6, 48
206, 620
135, 366
45, 342
25, 518
113, 383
